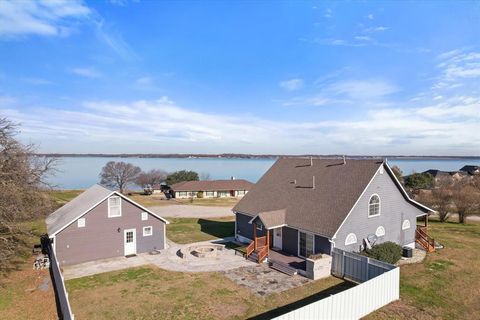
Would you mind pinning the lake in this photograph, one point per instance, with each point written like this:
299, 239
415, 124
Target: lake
82, 172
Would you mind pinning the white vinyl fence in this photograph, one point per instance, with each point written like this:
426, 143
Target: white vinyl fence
353, 303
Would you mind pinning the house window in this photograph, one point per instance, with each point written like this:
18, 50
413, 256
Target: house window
240, 192
259, 226
147, 231
222, 194
209, 194
374, 206
81, 222
182, 194
405, 225
305, 244
114, 207
380, 232
350, 239
144, 216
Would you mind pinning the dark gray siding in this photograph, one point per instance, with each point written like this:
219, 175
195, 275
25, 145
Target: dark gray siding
244, 228
290, 240
322, 245
393, 210
100, 239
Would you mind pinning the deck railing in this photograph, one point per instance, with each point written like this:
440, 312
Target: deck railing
424, 239
260, 242
262, 254
250, 248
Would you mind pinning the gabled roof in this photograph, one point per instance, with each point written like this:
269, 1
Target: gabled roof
80, 205
317, 195
470, 168
213, 185
271, 219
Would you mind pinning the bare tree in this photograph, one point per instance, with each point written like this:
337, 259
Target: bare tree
151, 177
22, 180
119, 175
466, 198
398, 173
205, 176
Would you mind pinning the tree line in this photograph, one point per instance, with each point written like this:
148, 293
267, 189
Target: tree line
120, 175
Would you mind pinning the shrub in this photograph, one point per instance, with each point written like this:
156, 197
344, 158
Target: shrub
387, 252
316, 256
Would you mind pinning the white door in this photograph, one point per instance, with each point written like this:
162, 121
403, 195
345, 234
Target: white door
277, 238
130, 242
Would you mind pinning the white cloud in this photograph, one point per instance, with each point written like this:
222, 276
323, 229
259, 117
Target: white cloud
328, 13
37, 81
44, 18
375, 29
87, 72
457, 69
370, 16
163, 126
292, 84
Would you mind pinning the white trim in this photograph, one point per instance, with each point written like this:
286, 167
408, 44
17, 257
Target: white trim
404, 224
134, 240
351, 241
151, 231
96, 204
298, 243
144, 216
380, 232
405, 192
108, 205
164, 236
279, 226
379, 206
356, 202
81, 225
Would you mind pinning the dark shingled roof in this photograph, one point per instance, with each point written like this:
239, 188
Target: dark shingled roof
288, 185
470, 169
213, 185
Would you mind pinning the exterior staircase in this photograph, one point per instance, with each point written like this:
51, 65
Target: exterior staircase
282, 267
424, 240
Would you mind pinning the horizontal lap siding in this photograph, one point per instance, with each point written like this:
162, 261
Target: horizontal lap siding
244, 228
394, 209
100, 239
322, 245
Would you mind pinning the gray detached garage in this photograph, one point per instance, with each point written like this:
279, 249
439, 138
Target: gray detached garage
100, 223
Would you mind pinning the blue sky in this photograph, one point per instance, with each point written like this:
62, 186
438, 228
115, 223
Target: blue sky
243, 76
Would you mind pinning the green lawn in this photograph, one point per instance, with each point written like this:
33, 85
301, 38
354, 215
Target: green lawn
188, 230
446, 285
152, 293
63, 196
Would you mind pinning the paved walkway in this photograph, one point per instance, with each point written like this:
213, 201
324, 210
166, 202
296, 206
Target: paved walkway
167, 259
191, 211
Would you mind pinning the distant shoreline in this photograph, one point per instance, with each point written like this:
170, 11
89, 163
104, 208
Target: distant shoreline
245, 156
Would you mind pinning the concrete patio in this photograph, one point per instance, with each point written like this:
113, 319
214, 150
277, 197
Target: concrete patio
168, 259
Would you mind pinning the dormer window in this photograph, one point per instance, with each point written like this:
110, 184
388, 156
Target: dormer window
114, 207
374, 206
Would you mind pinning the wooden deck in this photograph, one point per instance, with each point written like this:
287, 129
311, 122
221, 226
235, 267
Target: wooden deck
287, 259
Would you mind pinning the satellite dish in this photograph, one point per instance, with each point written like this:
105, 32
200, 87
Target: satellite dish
372, 238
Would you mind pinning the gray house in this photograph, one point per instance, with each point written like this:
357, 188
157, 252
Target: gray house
302, 207
99, 224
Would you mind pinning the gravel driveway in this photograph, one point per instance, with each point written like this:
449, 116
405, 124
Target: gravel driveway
190, 211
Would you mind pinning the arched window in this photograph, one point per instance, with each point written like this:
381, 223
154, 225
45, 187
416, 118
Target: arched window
350, 239
405, 225
374, 206
380, 232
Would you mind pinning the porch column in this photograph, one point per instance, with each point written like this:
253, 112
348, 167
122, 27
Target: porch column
254, 235
426, 221
268, 240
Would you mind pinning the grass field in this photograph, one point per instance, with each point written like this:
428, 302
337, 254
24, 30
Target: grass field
19, 294
447, 284
152, 293
187, 230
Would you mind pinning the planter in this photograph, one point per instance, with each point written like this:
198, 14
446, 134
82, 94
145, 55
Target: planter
319, 268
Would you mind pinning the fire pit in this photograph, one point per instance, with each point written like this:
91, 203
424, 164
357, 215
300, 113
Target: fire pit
201, 250
204, 252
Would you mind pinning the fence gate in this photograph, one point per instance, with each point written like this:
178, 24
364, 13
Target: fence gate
355, 267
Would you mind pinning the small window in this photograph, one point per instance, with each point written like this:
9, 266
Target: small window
374, 206
350, 239
259, 226
182, 194
240, 192
81, 222
209, 194
144, 216
114, 207
405, 225
380, 232
147, 231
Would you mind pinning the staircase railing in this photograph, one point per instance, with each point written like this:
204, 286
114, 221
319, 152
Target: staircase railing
250, 248
260, 242
424, 239
262, 254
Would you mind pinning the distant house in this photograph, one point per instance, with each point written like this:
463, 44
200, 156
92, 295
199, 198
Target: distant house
302, 207
99, 224
211, 188
439, 175
471, 169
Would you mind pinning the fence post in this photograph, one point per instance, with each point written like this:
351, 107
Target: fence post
366, 269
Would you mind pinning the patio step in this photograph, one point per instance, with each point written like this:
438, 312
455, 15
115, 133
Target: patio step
283, 268
253, 256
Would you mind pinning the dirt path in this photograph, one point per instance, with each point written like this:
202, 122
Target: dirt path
190, 211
